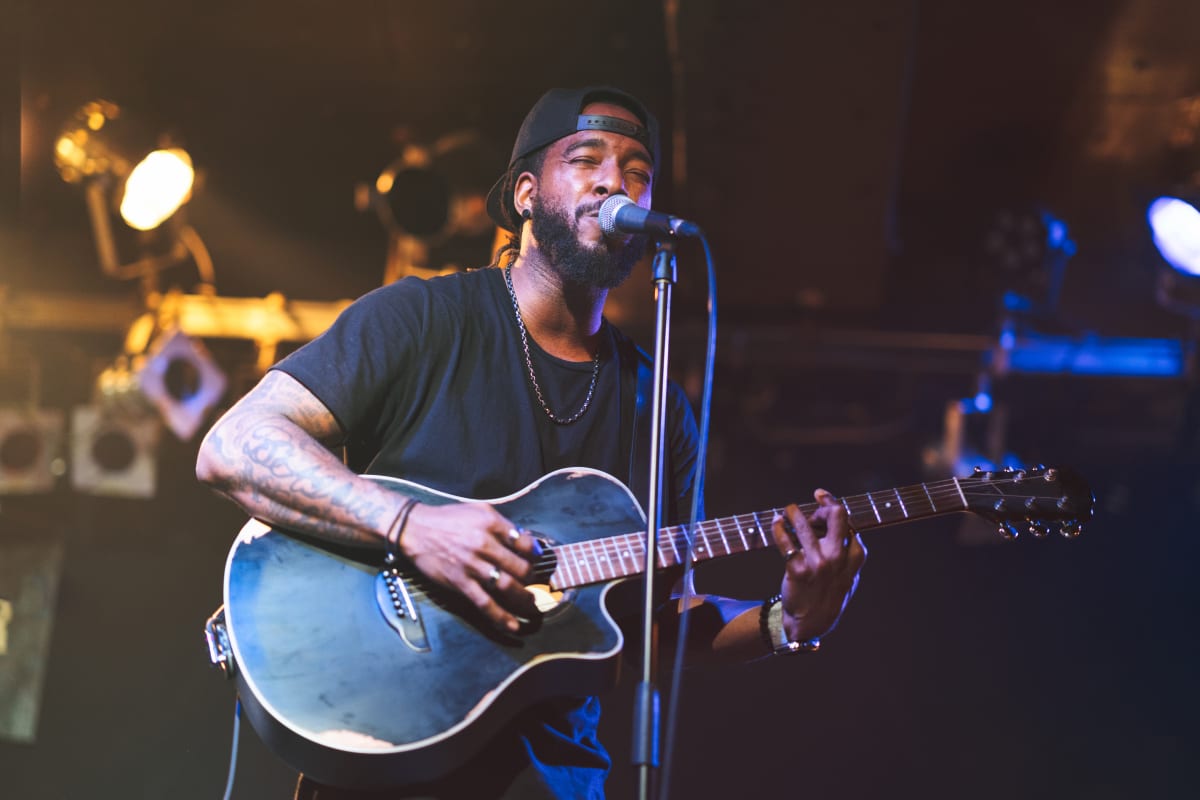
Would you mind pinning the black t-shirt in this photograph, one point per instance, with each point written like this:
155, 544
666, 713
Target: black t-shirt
428, 380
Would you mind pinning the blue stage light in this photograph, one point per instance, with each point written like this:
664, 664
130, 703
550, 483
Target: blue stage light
1175, 224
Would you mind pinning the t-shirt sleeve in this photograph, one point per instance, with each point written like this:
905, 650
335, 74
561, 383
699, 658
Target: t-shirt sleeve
353, 365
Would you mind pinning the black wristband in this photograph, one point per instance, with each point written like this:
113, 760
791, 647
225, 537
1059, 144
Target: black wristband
392, 538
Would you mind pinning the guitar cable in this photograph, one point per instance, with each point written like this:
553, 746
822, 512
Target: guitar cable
233, 749
675, 681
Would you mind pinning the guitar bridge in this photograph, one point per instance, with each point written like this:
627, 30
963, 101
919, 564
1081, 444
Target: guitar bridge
398, 609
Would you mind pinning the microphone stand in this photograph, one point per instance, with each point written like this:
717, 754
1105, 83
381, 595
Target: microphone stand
646, 700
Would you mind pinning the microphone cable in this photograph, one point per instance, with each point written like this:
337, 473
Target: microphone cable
233, 750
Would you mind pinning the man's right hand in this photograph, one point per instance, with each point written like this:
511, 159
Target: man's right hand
473, 549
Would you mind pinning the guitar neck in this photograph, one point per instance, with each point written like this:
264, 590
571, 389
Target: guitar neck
609, 558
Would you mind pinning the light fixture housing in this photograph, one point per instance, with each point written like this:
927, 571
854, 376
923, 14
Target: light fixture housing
1027, 252
431, 201
182, 381
1174, 222
31, 441
1175, 228
114, 454
149, 181
127, 174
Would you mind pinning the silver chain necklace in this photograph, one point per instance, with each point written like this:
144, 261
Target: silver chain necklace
529, 363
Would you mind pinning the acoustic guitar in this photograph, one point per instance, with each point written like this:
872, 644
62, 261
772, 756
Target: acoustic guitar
359, 675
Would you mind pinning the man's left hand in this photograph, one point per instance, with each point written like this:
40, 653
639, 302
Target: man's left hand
823, 557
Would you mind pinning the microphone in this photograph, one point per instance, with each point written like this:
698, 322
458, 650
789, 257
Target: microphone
619, 214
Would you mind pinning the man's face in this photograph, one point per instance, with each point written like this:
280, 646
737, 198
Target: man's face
579, 173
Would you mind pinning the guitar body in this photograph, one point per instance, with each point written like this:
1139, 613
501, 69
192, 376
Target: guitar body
356, 688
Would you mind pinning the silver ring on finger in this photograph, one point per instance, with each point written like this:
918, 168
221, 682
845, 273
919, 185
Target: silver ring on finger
493, 577
514, 535
791, 552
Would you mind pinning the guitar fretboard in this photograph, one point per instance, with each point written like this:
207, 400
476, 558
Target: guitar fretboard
609, 558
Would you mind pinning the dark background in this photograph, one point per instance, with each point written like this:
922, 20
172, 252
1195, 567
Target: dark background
844, 160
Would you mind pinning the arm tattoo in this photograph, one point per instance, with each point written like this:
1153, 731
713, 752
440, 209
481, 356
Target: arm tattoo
270, 458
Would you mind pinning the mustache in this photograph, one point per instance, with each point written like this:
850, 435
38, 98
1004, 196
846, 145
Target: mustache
588, 208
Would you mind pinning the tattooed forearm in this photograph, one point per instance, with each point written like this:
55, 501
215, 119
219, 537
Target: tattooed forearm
266, 454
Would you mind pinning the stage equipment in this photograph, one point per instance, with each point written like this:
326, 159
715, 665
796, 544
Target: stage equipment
31, 442
113, 451
431, 200
145, 181
181, 380
1175, 227
1028, 252
1175, 224
175, 377
30, 568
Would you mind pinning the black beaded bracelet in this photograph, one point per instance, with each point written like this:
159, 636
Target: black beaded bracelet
764, 626
780, 646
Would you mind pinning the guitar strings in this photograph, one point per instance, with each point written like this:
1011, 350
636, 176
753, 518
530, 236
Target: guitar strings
608, 553
674, 539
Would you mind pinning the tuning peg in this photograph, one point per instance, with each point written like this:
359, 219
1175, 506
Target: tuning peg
1039, 530
1071, 529
1008, 531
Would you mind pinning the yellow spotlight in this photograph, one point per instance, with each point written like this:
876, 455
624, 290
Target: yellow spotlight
125, 171
156, 188
97, 144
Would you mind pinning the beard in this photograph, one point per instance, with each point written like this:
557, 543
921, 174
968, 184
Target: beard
601, 266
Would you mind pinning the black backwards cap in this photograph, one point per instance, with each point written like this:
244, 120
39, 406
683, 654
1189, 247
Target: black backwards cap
556, 115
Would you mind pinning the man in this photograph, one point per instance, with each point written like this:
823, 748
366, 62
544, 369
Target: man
476, 384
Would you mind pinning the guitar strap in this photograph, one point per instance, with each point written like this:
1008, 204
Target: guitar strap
637, 379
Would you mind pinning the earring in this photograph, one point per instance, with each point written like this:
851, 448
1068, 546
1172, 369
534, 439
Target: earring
527, 214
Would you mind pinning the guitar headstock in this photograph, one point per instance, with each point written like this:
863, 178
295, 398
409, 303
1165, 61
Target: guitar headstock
1040, 499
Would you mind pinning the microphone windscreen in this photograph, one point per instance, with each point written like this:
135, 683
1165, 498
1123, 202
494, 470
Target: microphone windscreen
608, 212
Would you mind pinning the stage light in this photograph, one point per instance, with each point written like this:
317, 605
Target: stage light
152, 183
156, 188
181, 380
431, 200
1174, 222
31, 441
1175, 225
1027, 251
113, 453
144, 180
